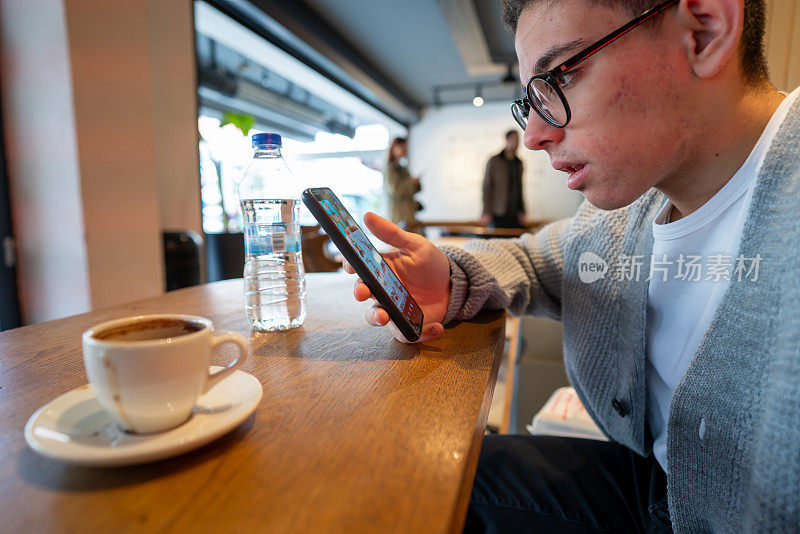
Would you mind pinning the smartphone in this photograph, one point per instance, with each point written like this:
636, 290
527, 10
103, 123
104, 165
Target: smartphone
366, 261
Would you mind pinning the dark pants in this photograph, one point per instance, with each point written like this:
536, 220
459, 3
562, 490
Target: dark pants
506, 221
552, 484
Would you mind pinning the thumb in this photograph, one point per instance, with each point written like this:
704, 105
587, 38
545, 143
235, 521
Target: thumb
388, 232
431, 331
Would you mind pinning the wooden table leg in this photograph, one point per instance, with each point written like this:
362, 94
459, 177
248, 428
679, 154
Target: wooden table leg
513, 332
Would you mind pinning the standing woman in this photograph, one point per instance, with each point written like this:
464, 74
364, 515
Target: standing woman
400, 187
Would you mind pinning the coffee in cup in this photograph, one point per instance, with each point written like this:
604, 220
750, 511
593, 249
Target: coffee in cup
148, 371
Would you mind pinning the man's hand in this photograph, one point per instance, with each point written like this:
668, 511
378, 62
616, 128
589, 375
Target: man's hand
422, 268
486, 218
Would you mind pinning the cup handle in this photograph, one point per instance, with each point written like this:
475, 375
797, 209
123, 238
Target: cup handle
214, 378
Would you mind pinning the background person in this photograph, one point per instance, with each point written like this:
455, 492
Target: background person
400, 186
503, 205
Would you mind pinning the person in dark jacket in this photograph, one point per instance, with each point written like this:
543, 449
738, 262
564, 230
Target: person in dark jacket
503, 206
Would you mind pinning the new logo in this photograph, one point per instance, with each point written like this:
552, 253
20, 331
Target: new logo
591, 267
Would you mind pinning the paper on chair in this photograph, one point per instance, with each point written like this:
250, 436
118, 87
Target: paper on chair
564, 415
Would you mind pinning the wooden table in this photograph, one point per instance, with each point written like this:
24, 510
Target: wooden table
479, 229
355, 433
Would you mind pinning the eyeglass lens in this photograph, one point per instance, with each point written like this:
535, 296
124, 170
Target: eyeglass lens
520, 114
546, 100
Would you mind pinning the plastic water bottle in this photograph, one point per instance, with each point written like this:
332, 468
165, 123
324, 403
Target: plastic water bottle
274, 278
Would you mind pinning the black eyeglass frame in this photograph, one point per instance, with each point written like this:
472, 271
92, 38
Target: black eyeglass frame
550, 77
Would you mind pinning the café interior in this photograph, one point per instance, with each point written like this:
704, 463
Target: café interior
126, 128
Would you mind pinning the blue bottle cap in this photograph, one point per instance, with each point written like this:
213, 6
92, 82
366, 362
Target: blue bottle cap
263, 139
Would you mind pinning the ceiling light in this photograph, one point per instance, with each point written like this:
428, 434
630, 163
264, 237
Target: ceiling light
478, 100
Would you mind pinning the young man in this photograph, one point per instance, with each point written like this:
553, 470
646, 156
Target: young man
677, 281
503, 205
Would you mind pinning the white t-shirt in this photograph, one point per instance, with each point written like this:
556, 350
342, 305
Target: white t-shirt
694, 261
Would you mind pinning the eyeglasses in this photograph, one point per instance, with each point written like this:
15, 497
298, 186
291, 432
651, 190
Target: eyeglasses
543, 92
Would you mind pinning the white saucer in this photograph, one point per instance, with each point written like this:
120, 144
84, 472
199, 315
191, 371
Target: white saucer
74, 428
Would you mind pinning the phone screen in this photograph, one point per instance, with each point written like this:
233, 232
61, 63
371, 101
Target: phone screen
372, 259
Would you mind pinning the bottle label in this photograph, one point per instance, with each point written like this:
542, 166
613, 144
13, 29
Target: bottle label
278, 238
270, 239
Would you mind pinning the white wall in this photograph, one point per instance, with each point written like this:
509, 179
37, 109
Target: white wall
449, 149
112, 87
100, 117
174, 114
42, 150
782, 43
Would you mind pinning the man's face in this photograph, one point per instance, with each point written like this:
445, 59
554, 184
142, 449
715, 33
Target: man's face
512, 142
627, 132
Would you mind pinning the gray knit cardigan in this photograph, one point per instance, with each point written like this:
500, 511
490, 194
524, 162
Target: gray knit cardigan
733, 435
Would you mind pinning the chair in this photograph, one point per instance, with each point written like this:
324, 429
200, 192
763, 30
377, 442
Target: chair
316, 258
226, 253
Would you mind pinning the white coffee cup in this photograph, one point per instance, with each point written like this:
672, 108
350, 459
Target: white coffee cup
148, 371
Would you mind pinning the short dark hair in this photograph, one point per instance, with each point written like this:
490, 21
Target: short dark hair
751, 51
510, 133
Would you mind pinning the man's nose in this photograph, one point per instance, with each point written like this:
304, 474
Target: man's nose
539, 134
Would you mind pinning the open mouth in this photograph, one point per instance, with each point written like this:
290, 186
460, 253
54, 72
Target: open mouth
569, 168
573, 169
576, 172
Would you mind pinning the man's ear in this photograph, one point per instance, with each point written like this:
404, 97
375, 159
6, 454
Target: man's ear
712, 32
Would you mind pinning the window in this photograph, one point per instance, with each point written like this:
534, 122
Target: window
351, 167
330, 137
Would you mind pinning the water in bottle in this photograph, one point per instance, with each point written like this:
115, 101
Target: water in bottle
275, 288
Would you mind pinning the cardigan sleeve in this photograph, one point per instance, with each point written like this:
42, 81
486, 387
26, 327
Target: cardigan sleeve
522, 275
